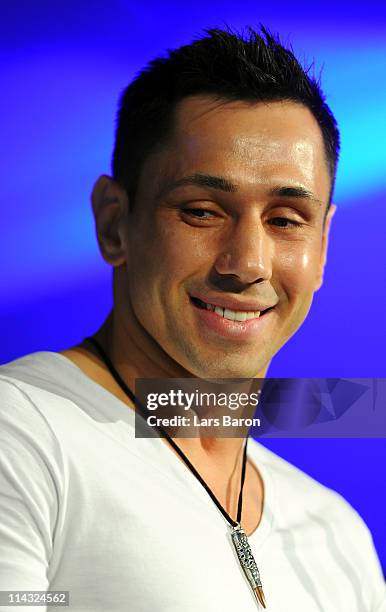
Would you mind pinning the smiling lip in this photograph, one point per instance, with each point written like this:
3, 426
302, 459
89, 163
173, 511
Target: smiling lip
251, 329
225, 302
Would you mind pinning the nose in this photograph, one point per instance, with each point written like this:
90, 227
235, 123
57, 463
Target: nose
247, 252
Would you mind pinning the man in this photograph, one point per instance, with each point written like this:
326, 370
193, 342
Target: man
216, 223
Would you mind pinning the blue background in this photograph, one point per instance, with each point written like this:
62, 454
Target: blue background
62, 69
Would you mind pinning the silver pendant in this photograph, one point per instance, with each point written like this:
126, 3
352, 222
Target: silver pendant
247, 562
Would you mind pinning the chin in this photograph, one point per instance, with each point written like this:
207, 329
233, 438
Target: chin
221, 370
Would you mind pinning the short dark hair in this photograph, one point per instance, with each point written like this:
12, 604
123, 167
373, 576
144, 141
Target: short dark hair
223, 64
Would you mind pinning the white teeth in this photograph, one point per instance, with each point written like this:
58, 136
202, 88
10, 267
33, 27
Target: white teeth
229, 314
232, 315
240, 316
236, 315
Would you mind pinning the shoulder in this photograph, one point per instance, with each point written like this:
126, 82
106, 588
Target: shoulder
25, 404
32, 465
47, 397
43, 383
18, 405
305, 505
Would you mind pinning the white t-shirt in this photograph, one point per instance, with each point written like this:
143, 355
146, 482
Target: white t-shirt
124, 526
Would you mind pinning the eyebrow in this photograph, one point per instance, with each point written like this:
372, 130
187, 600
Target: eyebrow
202, 180
294, 192
222, 184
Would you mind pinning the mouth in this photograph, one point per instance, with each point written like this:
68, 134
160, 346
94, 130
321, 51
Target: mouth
236, 316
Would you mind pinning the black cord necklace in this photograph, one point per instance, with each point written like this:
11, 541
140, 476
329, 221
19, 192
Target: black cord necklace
239, 538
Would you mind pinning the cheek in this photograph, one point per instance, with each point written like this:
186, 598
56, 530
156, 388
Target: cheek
296, 275
297, 269
161, 259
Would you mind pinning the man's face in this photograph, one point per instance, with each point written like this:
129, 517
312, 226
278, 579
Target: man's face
228, 213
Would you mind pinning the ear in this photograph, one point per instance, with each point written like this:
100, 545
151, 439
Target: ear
324, 247
110, 207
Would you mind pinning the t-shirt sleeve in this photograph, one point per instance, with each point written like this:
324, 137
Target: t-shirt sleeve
28, 493
373, 585
373, 579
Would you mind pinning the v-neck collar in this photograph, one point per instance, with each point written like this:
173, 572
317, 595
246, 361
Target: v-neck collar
156, 447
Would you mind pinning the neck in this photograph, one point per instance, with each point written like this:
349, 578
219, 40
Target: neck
134, 353
135, 356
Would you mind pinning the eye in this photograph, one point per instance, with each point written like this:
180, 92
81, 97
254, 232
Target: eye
198, 213
284, 222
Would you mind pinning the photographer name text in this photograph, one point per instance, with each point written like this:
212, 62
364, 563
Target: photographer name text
194, 421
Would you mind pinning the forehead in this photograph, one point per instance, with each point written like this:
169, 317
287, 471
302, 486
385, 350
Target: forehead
254, 145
